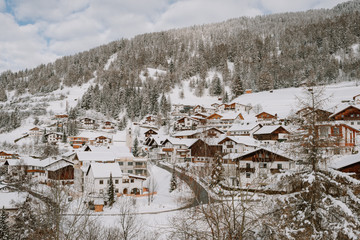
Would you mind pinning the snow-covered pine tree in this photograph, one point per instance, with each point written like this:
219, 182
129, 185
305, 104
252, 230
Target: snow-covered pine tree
3, 96
216, 170
173, 181
64, 137
225, 98
135, 150
237, 86
216, 88
4, 229
44, 138
111, 192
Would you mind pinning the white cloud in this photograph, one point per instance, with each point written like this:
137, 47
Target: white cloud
40, 30
2, 5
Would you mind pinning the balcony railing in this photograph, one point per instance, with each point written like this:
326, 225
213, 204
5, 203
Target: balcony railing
251, 170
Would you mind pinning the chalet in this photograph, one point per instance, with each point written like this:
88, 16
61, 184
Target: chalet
149, 119
238, 144
243, 129
108, 125
35, 132
4, 156
236, 107
223, 121
348, 114
180, 109
78, 142
43, 171
187, 123
10, 201
259, 164
176, 150
266, 118
248, 91
211, 132
271, 134
187, 134
321, 115
61, 117
199, 109
338, 138
348, 164
97, 177
88, 123
101, 141
150, 133
200, 151
54, 137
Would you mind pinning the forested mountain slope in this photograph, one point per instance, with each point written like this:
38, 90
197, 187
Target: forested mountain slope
262, 53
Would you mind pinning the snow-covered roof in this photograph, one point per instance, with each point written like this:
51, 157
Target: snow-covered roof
61, 163
229, 115
232, 156
246, 140
276, 151
29, 161
345, 161
8, 200
243, 127
118, 151
94, 134
96, 156
103, 170
185, 133
179, 141
342, 107
268, 129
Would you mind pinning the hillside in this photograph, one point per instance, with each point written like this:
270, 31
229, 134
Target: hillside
261, 53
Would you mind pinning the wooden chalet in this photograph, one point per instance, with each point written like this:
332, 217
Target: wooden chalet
150, 133
88, 123
78, 142
348, 164
264, 116
321, 115
271, 133
187, 123
5, 155
35, 132
200, 151
108, 125
199, 109
348, 113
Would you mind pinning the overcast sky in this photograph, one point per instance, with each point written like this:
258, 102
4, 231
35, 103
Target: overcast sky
39, 31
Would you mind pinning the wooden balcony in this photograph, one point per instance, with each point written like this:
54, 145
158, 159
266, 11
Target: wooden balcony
168, 149
274, 171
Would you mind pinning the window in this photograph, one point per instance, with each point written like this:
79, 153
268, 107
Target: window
262, 165
116, 181
116, 190
248, 175
279, 166
125, 180
130, 163
248, 165
138, 163
132, 180
121, 163
336, 131
130, 171
352, 123
108, 181
101, 182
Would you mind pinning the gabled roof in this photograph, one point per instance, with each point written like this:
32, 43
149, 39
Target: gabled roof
29, 161
246, 140
96, 156
243, 127
185, 133
345, 161
343, 108
178, 141
269, 129
103, 170
276, 152
258, 115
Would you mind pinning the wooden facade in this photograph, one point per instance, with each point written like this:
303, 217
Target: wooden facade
262, 155
266, 116
274, 136
353, 168
347, 114
200, 149
65, 173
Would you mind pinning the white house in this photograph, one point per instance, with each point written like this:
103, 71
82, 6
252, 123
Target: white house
246, 129
97, 177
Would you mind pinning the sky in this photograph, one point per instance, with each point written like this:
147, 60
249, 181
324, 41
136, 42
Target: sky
33, 32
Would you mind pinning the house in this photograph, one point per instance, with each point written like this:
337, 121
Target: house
236, 107
150, 132
256, 166
223, 121
348, 114
271, 134
78, 142
101, 141
88, 123
248, 91
10, 201
54, 137
348, 164
321, 115
97, 177
176, 150
149, 119
186, 123
338, 138
6, 155
61, 117
187, 134
211, 132
201, 151
108, 125
239, 144
35, 132
244, 129
199, 109
266, 118
43, 171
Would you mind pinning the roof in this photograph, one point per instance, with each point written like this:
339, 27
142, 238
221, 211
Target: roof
246, 140
243, 127
61, 163
29, 161
103, 170
96, 156
342, 107
185, 133
118, 151
345, 161
179, 141
232, 156
94, 134
268, 129
274, 151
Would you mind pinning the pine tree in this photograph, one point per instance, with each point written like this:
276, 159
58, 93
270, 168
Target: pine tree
44, 138
216, 170
225, 98
3, 96
135, 148
216, 86
111, 192
64, 137
237, 86
173, 181
4, 229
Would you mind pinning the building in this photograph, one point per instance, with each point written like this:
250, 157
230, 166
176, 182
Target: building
238, 144
266, 118
348, 164
271, 134
245, 129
